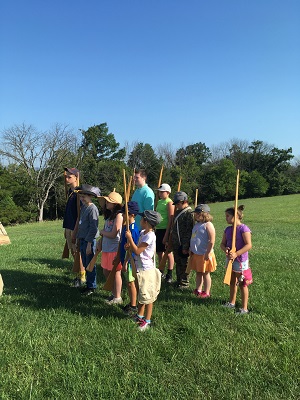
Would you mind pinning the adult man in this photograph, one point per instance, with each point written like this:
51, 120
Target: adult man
143, 194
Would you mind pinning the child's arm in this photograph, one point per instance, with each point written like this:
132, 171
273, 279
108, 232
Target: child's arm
223, 245
212, 237
118, 222
136, 249
247, 246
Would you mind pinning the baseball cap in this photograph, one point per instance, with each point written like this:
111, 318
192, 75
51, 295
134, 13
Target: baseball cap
180, 196
151, 216
164, 188
133, 208
202, 208
113, 197
72, 171
88, 189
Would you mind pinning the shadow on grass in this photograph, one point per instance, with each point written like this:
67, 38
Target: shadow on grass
42, 291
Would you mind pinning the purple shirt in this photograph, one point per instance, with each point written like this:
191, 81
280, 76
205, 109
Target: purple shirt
240, 229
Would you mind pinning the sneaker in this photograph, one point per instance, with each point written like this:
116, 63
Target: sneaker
143, 326
242, 311
197, 292
168, 278
114, 300
204, 295
110, 298
137, 319
182, 285
87, 291
76, 282
229, 305
129, 310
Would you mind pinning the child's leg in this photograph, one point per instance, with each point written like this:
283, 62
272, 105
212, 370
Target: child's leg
148, 311
207, 282
141, 309
132, 293
244, 296
170, 263
199, 281
118, 285
233, 288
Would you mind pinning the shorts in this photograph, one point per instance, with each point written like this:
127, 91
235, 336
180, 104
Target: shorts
71, 246
128, 273
107, 261
198, 263
243, 269
160, 247
149, 285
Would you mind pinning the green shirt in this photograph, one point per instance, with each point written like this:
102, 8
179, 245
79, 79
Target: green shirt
162, 208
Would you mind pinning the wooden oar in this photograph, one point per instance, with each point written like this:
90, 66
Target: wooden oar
189, 266
78, 266
66, 252
227, 277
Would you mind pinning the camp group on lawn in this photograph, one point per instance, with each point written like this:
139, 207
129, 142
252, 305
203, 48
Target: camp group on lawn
145, 226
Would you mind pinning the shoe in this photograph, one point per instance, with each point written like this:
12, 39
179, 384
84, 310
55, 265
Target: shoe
87, 291
182, 285
129, 310
76, 282
144, 326
242, 311
197, 292
110, 298
114, 300
168, 278
137, 319
204, 295
229, 305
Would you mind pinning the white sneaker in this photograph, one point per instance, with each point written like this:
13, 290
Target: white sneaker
115, 300
242, 311
229, 305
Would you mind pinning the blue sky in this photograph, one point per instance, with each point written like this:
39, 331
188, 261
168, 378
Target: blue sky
158, 72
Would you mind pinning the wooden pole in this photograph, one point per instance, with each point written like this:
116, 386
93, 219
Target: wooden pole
227, 277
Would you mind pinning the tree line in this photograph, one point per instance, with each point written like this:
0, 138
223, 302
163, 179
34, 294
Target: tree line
32, 165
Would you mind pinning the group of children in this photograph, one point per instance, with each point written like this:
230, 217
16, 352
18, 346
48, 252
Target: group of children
174, 231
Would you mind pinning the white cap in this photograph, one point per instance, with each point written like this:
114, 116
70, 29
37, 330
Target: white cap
164, 188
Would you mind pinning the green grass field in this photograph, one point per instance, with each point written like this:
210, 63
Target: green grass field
58, 345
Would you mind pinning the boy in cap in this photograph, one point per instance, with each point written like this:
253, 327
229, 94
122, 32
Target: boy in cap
88, 232
181, 234
148, 276
166, 209
70, 218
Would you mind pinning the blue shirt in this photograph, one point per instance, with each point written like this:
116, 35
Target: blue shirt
135, 236
144, 196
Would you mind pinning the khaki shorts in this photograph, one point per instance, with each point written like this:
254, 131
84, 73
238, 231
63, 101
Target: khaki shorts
149, 285
71, 246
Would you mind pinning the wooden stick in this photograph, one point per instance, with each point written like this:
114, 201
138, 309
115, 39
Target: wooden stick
227, 277
189, 266
179, 184
77, 266
158, 185
66, 251
196, 198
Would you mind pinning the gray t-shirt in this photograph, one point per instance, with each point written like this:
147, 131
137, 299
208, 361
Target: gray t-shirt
110, 245
88, 223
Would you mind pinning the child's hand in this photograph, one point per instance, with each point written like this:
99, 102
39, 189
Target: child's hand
232, 255
126, 246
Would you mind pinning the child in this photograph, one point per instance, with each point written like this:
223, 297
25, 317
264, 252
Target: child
70, 223
202, 256
162, 231
88, 232
148, 276
133, 209
181, 234
109, 242
241, 272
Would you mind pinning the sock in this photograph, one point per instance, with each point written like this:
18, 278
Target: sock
169, 272
140, 316
81, 275
148, 321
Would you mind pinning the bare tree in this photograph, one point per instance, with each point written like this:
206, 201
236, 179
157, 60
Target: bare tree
42, 155
167, 153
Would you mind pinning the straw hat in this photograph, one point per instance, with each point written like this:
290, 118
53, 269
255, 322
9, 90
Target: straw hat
113, 197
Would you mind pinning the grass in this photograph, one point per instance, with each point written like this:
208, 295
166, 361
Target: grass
57, 345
